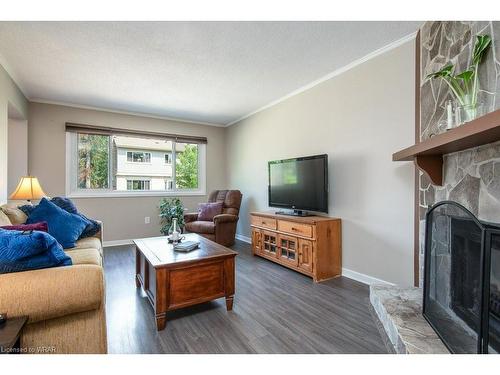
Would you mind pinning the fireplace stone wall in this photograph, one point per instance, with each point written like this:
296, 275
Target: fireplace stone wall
471, 177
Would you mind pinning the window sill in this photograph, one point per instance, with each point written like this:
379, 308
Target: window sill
129, 194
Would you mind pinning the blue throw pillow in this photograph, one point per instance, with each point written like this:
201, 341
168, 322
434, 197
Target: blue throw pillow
66, 204
92, 226
22, 251
65, 227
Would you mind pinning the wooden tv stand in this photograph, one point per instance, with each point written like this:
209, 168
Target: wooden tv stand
311, 245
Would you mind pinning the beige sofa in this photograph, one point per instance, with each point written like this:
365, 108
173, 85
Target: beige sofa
65, 305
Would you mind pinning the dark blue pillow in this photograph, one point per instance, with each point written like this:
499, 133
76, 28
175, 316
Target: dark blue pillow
66, 228
66, 204
92, 228
22, 251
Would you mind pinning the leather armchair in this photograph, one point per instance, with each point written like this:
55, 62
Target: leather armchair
223, 227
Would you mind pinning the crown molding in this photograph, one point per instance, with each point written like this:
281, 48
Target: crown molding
335, 73
121, 112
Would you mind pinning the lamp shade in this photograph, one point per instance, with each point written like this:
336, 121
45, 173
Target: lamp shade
27, 189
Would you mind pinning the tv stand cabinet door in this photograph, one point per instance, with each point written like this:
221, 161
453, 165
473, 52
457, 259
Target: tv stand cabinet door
256, 241
269, 244
306, 255
287, 250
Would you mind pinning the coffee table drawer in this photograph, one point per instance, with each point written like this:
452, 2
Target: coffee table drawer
264, 222
295, 228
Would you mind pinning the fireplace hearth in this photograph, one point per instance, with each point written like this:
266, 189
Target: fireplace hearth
462, 279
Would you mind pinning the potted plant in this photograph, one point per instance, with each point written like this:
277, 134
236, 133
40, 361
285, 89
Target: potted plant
465, 85
171, 208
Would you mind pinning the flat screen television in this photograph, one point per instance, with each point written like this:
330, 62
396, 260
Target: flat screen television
300, 184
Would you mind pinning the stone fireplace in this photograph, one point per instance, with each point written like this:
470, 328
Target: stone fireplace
455, 293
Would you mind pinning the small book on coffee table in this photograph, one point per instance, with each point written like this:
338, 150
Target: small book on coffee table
186, 246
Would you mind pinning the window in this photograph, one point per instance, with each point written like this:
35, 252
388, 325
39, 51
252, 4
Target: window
138, 157
100, 165
138, 185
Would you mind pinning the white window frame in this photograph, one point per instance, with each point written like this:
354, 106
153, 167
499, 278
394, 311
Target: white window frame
170, 154
72, 190
143, 180
139, 152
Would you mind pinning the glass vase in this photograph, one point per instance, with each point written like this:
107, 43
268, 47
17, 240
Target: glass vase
468, 111
174, 231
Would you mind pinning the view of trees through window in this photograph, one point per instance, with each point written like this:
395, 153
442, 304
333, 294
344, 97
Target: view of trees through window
93, 159
124, 163
186, 167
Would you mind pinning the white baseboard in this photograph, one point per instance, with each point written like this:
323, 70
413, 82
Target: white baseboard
243, 238
362, 278
116, 243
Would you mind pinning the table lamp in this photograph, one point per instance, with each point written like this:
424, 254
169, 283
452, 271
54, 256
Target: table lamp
28, 188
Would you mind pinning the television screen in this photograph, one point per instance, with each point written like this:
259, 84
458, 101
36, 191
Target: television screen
300, 183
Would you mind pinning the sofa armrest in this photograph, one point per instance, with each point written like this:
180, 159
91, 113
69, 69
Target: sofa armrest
225, 218
52, 292
190, 217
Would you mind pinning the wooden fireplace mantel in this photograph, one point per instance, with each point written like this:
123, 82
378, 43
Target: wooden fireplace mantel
428, 154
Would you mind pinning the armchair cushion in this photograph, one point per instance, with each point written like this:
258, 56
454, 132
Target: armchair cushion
207, 211
202, 227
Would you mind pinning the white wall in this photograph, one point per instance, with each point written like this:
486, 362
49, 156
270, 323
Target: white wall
13, 104
17, 152
359, 118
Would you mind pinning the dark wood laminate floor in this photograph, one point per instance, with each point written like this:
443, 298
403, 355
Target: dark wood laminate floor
276, 310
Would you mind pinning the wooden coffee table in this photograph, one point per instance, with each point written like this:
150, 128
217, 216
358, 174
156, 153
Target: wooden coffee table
172, 280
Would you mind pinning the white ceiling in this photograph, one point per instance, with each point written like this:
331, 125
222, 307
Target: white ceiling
213, 72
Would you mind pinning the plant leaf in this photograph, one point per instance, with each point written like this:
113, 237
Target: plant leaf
444, 72
480, 48
465, 76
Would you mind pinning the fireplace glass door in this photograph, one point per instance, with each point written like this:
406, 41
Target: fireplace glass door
453, 294
494, 295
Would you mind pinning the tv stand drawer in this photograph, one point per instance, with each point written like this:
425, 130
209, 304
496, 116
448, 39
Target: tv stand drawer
299, 229
264, 222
